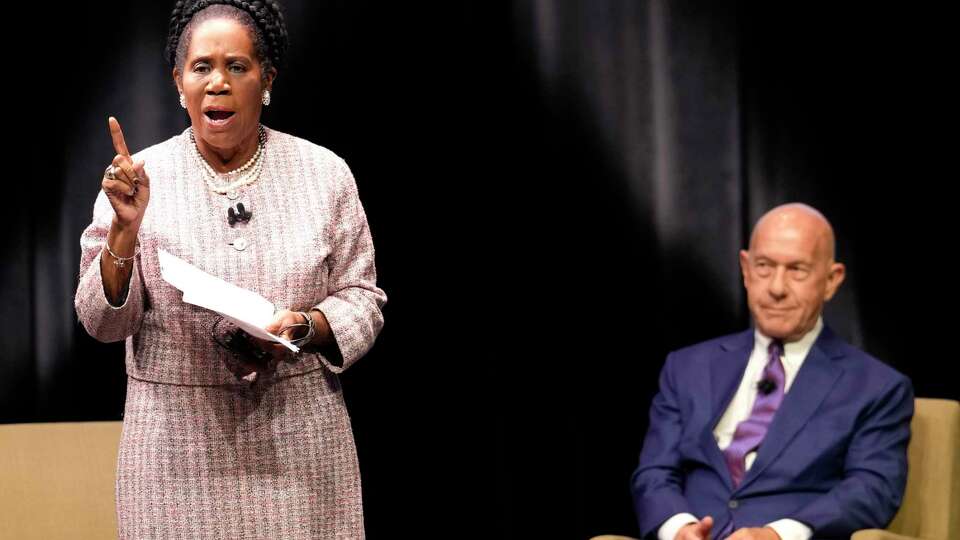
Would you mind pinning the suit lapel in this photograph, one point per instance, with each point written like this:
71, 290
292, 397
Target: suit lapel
814, 381
725, 374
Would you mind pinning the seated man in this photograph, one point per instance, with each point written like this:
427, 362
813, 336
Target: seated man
781, 431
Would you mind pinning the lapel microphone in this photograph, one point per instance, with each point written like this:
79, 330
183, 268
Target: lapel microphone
765, 386
240, 214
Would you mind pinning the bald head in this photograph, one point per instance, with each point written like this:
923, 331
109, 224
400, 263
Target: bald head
803, 218
789, 270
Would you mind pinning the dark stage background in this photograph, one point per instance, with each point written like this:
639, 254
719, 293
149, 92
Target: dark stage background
557, 191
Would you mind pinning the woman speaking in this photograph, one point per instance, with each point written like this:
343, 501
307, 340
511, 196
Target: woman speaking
224, 435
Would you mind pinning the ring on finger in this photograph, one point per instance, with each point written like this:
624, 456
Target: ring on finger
110, 173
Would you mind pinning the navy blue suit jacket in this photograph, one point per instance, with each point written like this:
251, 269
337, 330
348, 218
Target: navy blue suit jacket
834, 458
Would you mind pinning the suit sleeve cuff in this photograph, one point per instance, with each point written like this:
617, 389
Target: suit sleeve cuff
790, 529
670, 527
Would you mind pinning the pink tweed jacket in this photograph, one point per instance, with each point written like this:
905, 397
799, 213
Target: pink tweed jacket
307, 245
203, 454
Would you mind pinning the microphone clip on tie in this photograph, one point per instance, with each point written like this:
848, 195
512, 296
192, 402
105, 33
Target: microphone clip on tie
766, 386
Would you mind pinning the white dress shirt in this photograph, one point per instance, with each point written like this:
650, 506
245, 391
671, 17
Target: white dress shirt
739, 410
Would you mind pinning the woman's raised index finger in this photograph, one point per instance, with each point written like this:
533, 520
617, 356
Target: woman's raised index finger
116, 134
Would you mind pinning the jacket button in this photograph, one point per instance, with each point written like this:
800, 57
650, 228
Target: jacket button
733, 504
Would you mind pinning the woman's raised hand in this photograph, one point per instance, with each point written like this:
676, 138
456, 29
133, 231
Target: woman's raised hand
125, 182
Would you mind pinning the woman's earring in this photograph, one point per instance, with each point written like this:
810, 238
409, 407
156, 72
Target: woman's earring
183, 101
266, 97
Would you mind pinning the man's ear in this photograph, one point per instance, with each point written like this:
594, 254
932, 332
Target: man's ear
835, 277
744, 265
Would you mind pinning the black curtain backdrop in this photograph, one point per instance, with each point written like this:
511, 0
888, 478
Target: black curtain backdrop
557, 192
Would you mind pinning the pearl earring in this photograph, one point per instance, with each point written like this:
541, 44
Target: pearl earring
266, 97
183, 101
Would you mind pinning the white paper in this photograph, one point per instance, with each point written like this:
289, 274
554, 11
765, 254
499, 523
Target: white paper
244, 308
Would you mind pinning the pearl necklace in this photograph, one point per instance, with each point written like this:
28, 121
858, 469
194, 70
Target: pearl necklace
254, 164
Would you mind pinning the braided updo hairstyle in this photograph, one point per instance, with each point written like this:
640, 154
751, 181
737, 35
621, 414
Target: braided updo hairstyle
263, 19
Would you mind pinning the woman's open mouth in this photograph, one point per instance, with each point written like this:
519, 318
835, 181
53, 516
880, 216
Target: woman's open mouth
218, 115
218, 118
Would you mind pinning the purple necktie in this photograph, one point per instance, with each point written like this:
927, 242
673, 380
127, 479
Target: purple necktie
750, 432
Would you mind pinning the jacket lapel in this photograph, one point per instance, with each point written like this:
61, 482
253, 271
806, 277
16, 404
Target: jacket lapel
725, 374
814, 381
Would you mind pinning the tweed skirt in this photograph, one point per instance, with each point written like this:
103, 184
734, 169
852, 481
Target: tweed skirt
275, 460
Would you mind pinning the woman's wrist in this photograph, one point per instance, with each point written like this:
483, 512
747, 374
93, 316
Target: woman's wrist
116, 262
322, 333
122, 240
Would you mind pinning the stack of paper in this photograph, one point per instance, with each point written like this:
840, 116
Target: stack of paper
246, 309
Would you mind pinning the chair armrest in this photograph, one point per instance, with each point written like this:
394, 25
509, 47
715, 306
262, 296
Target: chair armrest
879, 534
